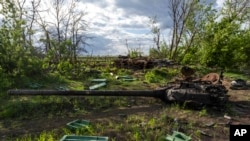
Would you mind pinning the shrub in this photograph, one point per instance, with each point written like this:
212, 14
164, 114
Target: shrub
156, 76
5, 82
160, 75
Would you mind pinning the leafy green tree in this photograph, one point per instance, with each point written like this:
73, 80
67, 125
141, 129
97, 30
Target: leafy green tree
200, 14
11, 39
224, 39
16, 59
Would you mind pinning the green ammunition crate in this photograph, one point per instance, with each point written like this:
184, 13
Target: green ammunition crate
97, 86
83, 138
178, 136
76, 124
99, 80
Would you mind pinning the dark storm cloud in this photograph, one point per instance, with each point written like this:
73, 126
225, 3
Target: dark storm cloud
114, 21
151, 8
148, 8
98, 44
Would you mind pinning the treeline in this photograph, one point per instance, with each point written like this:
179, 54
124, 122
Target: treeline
35, 41
203, 34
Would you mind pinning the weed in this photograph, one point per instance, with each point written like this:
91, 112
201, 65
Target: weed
236, 75
197, 134
203, 112
85, 131
136, 136
156, 76
151, 123
24, 138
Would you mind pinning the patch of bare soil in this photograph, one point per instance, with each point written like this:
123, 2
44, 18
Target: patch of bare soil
212, 126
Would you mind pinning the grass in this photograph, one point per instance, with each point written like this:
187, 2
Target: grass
237, 75
134, 127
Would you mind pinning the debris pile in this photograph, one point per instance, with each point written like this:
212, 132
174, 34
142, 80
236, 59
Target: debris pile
141, 62
238, 84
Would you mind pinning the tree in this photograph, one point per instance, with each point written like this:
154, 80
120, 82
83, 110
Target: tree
224, 39
16, 57
161, 46
11, 39
64, 37
156, 32
201, 14
179, 11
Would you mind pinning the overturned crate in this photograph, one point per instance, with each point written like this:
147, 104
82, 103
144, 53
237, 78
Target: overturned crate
126, 78
100, 83
83, 138
178, 136
96, 86
99, 80
78, 124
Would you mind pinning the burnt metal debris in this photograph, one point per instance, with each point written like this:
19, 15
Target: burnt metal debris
199, 91
138, 63
239, 84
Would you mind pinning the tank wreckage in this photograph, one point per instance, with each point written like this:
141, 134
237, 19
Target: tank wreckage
207, 90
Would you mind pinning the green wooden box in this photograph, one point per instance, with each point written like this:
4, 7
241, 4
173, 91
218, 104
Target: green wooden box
76, 124
83, 138
178, 136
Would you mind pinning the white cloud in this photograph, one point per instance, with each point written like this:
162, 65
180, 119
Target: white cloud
112, 22
220, 3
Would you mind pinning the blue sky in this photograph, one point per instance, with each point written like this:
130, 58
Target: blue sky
112, 22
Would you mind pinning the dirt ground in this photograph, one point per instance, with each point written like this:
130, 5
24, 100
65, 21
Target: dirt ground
239, 101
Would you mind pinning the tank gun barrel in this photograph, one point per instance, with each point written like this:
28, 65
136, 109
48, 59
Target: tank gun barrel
203, 94
145, 93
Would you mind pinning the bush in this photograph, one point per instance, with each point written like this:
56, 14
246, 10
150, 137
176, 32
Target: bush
5, 82
156, 76
160, 75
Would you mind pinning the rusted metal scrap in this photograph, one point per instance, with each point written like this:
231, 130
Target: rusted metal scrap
210, 78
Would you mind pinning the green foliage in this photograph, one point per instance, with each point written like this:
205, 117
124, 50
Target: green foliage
65, 68
153, 52
223, 43
162, 53
124, 72
44, 136
236, 75
190, 57
159, 75
16, 56
6, 81
133, 53
203, 112
25, 109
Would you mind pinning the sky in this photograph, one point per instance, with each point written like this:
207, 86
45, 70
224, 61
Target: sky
113, 22
121, 25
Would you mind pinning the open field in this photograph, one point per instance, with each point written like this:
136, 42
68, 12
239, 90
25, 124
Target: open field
121, 118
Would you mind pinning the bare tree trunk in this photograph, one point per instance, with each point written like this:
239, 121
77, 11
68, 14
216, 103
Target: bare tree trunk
180, 11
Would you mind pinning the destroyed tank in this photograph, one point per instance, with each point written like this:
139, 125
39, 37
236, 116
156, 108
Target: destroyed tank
197, 92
